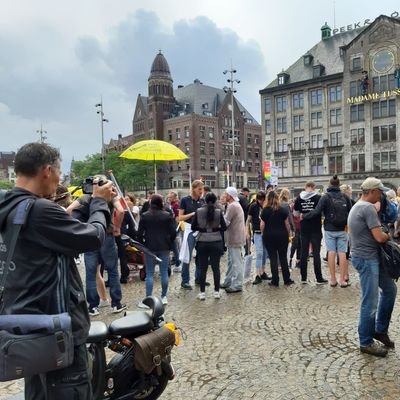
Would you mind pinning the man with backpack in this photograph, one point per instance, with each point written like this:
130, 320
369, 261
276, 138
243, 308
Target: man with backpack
377, 287
335, 206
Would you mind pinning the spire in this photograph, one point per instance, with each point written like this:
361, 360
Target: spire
326, 31
160, 67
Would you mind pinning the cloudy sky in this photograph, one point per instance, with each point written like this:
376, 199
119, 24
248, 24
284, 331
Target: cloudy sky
58, 58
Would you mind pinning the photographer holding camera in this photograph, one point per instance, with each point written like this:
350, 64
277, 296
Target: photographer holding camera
48, 242
107, 254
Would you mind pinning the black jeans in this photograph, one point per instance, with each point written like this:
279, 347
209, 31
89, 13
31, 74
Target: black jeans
123, 261
315, 240
296, 246
277, 246
71, 383
209, 252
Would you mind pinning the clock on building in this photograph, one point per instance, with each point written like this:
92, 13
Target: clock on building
383, 61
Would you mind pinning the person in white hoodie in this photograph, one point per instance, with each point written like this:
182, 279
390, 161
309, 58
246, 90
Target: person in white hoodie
310, 231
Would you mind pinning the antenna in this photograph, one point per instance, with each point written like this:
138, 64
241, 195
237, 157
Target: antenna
334, 14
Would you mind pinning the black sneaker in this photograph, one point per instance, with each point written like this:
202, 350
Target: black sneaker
375, 349
289, 282
119, 308
385, 339
265, 277
94, 311
198, 283
186, 286
123, 280
257, 280
322, 281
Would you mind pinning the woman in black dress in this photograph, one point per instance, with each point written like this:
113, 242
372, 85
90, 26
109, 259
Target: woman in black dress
276, 230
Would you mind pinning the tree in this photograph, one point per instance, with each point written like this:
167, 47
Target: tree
4, 184
130, 174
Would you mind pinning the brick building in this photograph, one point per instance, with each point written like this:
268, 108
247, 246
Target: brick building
197, 119
336, 109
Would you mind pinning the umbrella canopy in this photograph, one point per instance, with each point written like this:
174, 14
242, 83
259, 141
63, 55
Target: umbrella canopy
75, 191
154, 150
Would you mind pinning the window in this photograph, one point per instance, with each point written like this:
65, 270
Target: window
335, 93
212, 164
298, 143
298, 100
384, 108
298, 122
281, 79
316, 97
267, 126
267, 146
202, 130
335, 116
248, 138
358, 163
281, 104
202, 148
187, 132
281, 125
384, 133
317, 166
357, 136
282, 168
298, 167
356, 64
202, 164
316, 119
256, 139
357, 112
384, 160
178, 133
335, 164
355, 88
316, 141
383, 82
335, 139
281, 145
267, 105
170, 134
211, 132
211, 147
187, 147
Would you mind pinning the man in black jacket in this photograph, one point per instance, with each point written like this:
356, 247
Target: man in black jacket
49, 241
310, 231
335, 206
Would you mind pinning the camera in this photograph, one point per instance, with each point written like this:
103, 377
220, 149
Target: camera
87, 185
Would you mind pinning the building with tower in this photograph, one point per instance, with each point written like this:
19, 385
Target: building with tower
198, 119
336, 109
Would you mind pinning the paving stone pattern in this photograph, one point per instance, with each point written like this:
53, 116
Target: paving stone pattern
286, 343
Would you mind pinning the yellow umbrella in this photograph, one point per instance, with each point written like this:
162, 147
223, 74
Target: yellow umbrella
75, 192
154, 150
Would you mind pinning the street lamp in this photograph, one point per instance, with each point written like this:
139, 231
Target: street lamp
41, 131
231, 89
99, 107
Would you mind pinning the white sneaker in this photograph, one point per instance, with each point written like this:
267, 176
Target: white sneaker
94, 311
143, 306
177, 269
202, 296
104, 303
304, 282
217, 295
164, 300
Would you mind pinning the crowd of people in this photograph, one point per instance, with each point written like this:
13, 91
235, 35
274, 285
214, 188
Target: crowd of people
279, 231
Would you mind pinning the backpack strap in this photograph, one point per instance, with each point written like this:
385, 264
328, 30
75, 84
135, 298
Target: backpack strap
21, 214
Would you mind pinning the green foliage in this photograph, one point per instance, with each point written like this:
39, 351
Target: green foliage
4, 184
130, 174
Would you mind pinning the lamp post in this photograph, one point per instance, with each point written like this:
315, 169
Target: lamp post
41, 131
99, 107
231, 89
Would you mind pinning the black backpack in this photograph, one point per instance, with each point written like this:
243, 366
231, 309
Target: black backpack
338, 211
390, 259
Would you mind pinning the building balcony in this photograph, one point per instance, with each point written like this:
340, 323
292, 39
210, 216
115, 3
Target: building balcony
335, 149
316, 150
298, 153
281, 154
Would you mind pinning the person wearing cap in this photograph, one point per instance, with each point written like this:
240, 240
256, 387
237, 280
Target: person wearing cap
234, 241
365, 236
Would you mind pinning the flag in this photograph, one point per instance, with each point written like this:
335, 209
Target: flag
267, 171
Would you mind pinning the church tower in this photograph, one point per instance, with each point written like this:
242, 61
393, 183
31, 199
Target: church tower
161, 96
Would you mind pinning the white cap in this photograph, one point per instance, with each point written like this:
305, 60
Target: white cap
232, 192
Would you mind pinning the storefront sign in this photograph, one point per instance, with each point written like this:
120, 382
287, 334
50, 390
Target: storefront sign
373, 96
360, 24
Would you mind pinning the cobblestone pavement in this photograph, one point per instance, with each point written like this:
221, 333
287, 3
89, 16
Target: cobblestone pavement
297, 342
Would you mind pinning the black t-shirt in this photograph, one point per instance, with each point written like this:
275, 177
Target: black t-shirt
275, 221
189, 205
312, 225
255, 213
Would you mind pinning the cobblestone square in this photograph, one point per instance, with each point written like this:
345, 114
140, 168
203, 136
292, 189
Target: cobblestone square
297, 342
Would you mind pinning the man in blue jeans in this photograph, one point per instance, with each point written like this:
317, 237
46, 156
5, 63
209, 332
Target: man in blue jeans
365, 236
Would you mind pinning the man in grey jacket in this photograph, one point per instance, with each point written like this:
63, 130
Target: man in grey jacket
234, 240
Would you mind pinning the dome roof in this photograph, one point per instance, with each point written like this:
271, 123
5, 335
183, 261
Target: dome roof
160, 67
